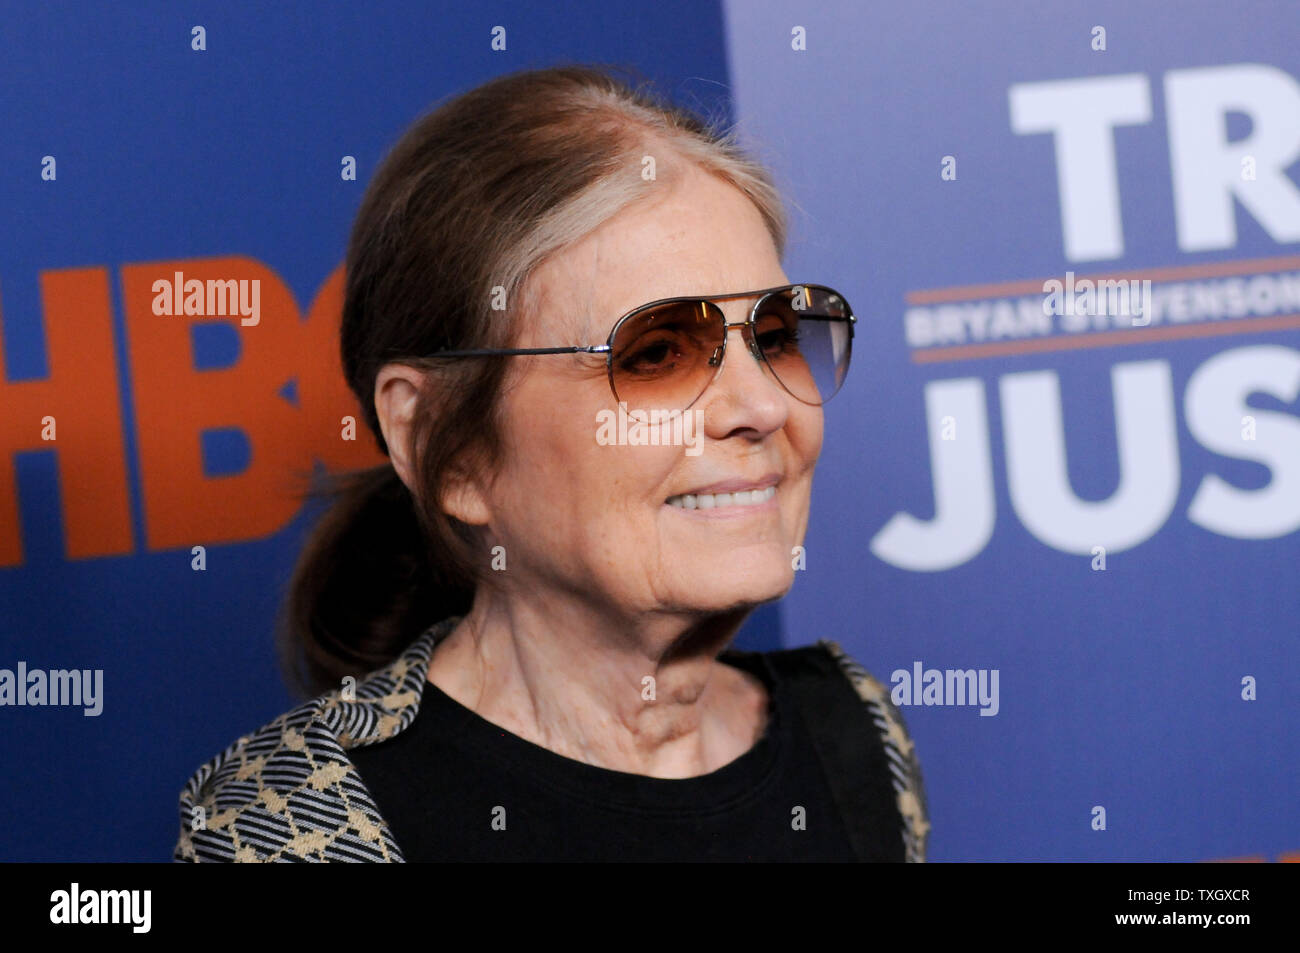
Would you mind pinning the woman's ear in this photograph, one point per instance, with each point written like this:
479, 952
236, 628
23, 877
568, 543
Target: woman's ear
397, 400
464, 497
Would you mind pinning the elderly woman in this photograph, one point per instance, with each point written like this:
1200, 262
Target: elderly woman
518, 631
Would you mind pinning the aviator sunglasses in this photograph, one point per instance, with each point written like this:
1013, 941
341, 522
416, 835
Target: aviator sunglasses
666, 353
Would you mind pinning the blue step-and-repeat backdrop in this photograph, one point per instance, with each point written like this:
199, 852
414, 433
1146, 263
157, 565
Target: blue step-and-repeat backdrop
1064, 471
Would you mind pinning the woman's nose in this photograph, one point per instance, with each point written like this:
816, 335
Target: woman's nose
746, 395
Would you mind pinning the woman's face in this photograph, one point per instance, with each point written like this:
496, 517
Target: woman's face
593, 520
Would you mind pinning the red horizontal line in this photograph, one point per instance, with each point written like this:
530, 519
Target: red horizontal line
1029, 286
967, 352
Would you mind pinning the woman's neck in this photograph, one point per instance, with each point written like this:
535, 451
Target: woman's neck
652, 700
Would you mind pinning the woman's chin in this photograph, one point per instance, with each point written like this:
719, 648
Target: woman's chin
719, 592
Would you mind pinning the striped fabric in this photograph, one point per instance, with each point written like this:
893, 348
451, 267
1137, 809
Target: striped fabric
903, 763
288, 792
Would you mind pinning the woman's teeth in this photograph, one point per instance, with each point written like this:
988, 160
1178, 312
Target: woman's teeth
710, 501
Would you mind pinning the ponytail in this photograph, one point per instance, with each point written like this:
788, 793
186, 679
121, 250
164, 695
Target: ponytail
364, 587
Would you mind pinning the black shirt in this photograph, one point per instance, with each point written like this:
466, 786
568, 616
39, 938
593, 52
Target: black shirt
455, 787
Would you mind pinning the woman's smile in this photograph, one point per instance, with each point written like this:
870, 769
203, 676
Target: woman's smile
732, 498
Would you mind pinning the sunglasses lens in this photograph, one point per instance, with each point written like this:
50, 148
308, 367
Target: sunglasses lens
664, 357
805, 335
